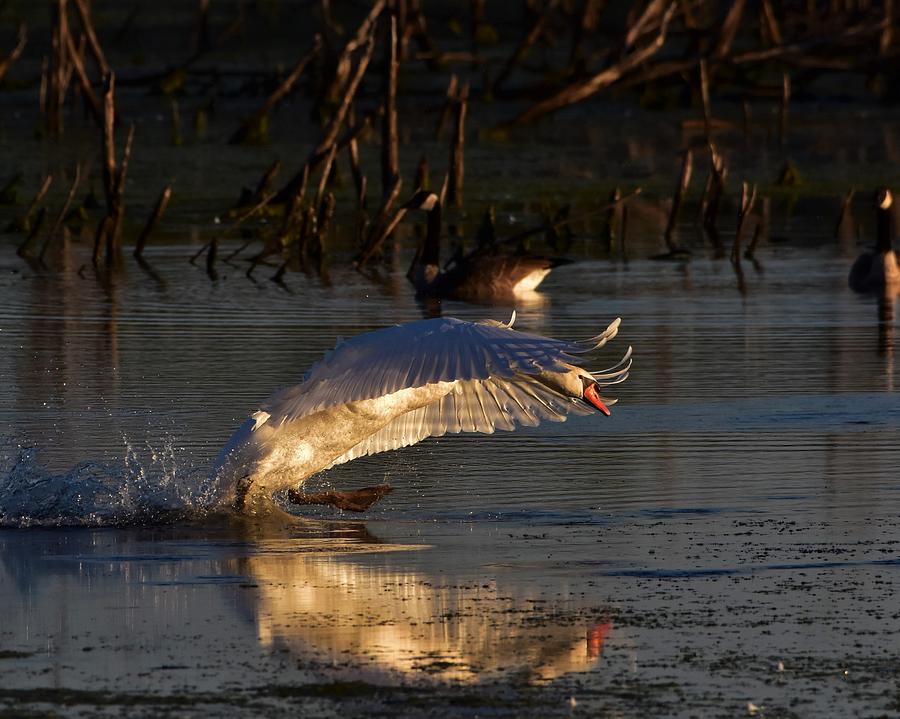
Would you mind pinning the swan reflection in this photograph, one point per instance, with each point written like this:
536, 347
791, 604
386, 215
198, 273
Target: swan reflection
398, 622
333, 598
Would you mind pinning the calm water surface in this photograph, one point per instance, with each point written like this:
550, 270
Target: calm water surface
730, 535
727, 543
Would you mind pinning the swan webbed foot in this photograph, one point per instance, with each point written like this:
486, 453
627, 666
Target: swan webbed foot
357, 500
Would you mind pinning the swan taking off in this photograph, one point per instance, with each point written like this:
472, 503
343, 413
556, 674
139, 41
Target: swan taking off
396, 386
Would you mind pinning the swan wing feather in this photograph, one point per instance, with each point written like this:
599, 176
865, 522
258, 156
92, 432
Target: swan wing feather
426, 352
473, 406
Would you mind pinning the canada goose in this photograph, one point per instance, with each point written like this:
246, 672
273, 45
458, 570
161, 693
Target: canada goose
477, 276
878, 269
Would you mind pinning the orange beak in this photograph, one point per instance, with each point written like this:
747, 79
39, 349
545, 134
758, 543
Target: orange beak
591, 396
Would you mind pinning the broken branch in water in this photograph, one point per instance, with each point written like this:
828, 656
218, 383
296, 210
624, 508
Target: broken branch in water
54, 228
153, 220
748, 200
715, 188
264, 186
363, 34
417, 28
253, 128
684, 180
448, 105
329, 137
582, 89
83, 80
380, 229
785, 102
324, 222
422, 180
704, 97
109, 230
730, 28
59, 72
522, 48
458, 149
617, 201
390, 163
23, 224
844, 213
359, 179
16, 52
84, 15
326, 175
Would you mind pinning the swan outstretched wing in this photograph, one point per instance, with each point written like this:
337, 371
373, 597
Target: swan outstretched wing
485, 406
474, 406
473, 354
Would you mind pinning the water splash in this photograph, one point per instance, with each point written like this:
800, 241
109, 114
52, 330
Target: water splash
150, 486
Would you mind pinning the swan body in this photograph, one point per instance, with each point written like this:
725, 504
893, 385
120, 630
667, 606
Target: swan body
396, 386
476, 277
877, 270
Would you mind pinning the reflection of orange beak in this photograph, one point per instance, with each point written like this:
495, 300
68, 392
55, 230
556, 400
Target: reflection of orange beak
596, 637
591, 396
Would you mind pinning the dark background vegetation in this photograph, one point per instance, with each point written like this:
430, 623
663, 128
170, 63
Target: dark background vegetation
220, 122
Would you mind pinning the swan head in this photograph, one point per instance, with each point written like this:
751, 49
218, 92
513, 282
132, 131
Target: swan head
579, 384
584, 385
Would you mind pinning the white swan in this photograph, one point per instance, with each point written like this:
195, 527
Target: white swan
396, 386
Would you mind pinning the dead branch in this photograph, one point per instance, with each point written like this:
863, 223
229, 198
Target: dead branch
524, 45
583, 89
845, 210
729, 28
390, 163
684, 180
642, 25
748, 200
15, 53
83, 81
326, 175
380, 228
457, 149
54, 228
87, 25
23, 224
153, 220
448, 105
252, 128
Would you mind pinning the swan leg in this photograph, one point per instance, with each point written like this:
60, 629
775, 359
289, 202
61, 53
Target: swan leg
357, 500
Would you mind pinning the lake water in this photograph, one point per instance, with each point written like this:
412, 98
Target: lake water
727, 543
